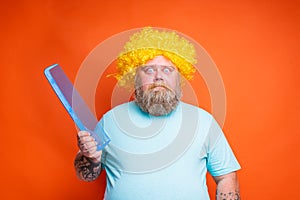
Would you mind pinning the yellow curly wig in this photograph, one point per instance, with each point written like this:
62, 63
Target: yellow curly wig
149, 43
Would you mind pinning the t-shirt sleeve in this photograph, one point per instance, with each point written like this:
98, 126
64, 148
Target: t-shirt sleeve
220, 157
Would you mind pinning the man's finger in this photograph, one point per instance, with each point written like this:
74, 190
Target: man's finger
90, 144
86, 139
83, 133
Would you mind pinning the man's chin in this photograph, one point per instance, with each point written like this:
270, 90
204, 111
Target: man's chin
157, 100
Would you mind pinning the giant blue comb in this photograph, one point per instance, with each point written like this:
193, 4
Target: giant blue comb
74, 104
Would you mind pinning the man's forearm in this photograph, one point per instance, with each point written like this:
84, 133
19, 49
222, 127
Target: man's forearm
86, 169
228, 195
227, 187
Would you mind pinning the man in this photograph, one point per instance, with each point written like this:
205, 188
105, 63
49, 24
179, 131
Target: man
161, 148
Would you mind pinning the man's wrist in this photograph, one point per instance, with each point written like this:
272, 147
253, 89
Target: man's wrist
93, 161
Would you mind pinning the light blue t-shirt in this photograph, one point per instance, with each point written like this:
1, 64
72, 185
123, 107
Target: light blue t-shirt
165, 157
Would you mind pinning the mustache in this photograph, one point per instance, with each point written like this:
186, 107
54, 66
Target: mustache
154, 85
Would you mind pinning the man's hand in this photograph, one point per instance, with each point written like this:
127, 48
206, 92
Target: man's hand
88, 146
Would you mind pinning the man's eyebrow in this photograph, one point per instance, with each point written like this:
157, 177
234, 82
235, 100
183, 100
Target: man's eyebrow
153, 65
145, 66
171, 66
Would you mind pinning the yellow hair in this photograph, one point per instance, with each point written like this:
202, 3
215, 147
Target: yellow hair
147, 44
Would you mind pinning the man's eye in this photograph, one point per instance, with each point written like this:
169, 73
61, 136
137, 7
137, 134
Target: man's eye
149, 70
168, 70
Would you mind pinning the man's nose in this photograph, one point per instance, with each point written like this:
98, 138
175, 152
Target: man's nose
158, 76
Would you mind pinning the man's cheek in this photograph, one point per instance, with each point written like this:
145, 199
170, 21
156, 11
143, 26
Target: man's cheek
171, 85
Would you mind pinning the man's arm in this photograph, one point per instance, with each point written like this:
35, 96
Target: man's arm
88, 160
227, 187
85, 168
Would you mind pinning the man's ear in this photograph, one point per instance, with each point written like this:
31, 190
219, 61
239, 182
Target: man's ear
181, 80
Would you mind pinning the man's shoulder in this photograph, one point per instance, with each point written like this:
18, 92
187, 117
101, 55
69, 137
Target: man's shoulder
123, 107
188, 106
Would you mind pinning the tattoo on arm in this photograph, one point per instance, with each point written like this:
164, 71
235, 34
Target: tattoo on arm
228, 196
86, 169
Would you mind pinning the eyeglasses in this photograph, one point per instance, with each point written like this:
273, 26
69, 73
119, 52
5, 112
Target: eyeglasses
151, 69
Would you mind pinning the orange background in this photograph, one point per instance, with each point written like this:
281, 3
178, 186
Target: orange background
255, 45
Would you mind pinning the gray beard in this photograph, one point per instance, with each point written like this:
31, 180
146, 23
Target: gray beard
157, 103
